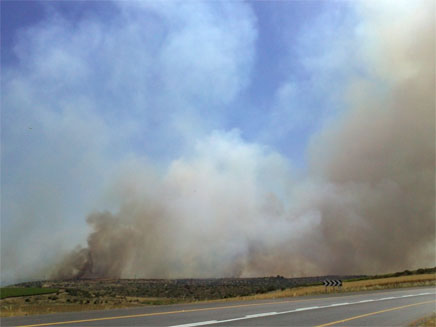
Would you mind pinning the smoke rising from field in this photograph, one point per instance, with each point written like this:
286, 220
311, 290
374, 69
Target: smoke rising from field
126, 119
236, 209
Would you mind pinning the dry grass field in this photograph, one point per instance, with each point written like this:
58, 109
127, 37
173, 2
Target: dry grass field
355, 286
425, 322
65, 302
109, 294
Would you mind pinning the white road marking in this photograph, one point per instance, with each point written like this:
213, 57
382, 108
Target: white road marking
338, 304
234, 319
303, 309
259, 315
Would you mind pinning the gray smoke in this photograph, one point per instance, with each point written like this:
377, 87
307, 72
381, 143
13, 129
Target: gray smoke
367, 204
231, 208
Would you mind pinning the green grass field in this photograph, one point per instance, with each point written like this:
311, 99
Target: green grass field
18, 291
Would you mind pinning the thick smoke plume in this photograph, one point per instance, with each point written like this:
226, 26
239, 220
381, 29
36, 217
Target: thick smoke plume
366, 205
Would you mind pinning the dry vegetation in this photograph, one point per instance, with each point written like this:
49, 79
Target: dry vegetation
67, 300
81, 295
429, 321
354, 286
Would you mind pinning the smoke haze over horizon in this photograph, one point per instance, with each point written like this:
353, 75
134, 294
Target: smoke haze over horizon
204, 140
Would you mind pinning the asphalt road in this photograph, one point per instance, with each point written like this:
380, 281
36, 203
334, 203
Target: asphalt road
378, 308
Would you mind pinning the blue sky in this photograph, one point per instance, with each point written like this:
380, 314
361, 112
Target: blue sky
109, 102
277, 53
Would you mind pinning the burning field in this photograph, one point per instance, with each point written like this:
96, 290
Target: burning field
186, 289
96, 294
133, 146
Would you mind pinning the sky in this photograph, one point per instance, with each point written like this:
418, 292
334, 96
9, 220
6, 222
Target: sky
105, 102
274, 61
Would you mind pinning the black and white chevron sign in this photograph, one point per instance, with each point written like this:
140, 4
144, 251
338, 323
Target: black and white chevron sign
333, 282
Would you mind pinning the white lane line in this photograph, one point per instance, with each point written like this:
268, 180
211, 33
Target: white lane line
338, 304
259, 315
303, 309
